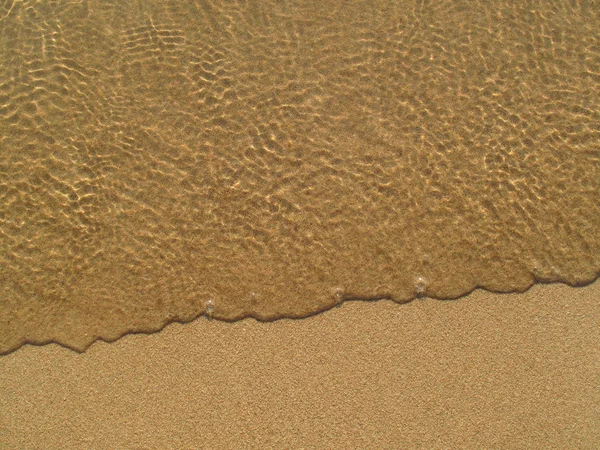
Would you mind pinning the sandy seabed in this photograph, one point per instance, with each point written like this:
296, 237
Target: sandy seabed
485, 371
163, 159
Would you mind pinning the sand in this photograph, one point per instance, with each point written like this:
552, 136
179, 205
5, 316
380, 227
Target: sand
485, 371
160, 160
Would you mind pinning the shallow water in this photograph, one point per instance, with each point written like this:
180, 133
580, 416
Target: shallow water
160, 160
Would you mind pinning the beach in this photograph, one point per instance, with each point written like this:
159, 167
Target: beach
299, 224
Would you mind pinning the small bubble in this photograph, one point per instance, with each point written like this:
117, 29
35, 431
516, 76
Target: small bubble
209, 309
338, 294
420, 287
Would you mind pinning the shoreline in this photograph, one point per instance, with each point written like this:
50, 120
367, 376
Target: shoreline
484, 370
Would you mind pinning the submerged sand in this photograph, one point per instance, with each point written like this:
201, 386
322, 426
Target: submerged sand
164, 159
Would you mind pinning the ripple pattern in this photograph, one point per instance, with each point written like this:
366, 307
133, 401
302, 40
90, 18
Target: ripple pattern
160, 160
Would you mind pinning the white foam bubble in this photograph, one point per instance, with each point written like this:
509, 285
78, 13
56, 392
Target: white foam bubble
338, 294
420, 287
209, 308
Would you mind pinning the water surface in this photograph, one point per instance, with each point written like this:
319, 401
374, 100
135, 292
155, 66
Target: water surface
164, 159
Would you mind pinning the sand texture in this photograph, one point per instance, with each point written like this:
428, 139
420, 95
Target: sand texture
512, 371
164, 159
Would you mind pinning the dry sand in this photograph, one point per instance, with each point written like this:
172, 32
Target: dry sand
486, 371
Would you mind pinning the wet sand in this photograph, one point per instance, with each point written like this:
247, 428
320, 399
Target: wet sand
485, 371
